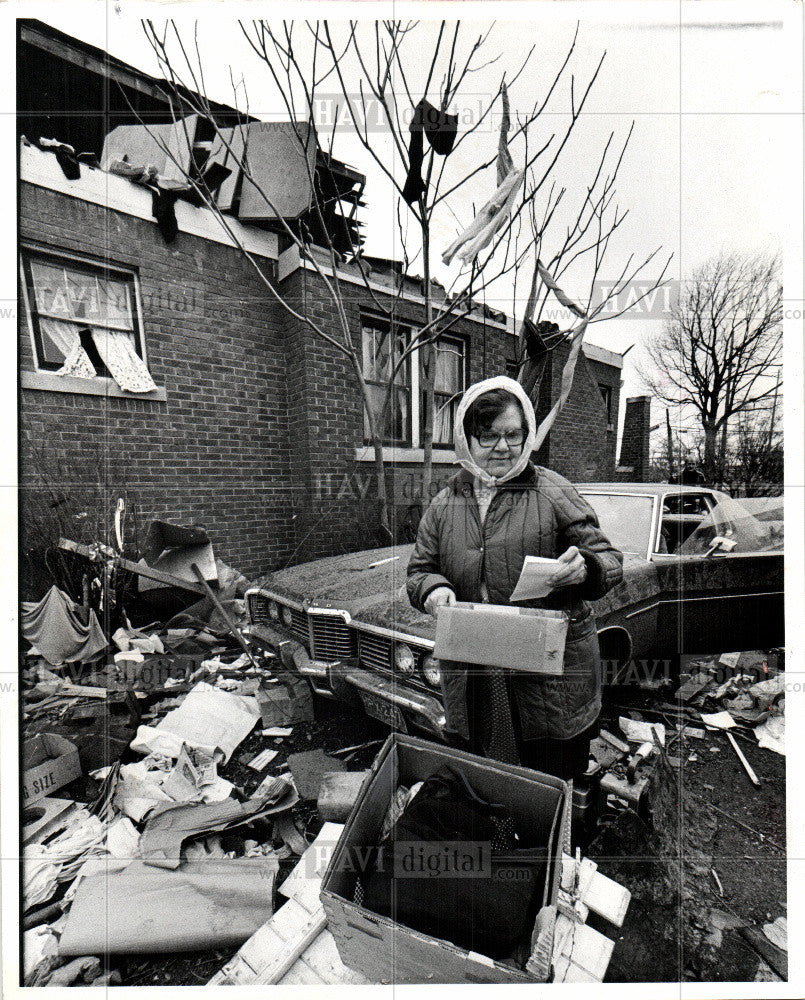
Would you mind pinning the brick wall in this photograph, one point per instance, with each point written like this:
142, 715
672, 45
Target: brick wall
219, 450
633, 465
579, 446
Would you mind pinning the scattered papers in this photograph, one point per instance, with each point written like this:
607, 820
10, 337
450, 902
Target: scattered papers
771, 734
208, 719
262, 760
536, 578
777, 933
641, 732
123, 839
719, 720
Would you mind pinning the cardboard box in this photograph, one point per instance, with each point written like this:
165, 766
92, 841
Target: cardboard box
384, 950
499, 635
49, 762
286, 703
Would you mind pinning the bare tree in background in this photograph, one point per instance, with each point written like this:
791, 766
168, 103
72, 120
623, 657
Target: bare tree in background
367, 69
718, 350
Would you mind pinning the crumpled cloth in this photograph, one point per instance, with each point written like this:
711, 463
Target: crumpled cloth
45, 866
53, 626
126, 367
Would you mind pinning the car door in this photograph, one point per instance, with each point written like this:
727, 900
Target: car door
717, 599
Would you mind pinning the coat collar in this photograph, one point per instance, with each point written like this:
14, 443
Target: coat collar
464, 480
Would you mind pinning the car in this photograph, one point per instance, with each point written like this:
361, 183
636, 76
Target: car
701, 574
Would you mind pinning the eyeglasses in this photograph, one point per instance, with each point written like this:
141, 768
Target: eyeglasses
513, 439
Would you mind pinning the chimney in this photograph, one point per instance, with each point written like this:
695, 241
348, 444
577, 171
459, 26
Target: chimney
634, 457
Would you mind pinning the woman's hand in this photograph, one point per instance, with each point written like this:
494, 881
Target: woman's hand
573, 569
438, 597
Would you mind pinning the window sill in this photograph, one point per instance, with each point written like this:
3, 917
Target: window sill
441, 456
51, 382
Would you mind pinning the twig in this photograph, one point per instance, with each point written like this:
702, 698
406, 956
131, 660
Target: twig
749, 829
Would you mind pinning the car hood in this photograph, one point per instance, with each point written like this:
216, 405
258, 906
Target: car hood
370, 586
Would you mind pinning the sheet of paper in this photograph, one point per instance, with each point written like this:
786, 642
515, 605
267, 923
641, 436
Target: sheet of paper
208, 719
536, 578
641, 732
718, 720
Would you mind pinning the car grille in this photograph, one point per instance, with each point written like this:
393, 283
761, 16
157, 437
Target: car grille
258, 609
332, 639
299, 626
374, 651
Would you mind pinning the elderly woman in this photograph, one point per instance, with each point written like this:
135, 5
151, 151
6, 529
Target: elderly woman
471, 544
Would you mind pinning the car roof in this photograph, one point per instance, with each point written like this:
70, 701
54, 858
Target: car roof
650, 489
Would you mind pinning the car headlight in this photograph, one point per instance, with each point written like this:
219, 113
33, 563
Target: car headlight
432, 670
404, 659
287, 616
274, 610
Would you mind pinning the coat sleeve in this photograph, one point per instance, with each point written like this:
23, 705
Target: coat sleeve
579, 526
423, 566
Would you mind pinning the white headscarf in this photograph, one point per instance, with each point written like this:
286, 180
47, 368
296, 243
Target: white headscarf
462, 448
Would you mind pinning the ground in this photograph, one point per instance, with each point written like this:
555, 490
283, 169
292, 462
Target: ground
672, 931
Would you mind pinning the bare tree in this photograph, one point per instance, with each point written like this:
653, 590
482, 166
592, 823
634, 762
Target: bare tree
369, 68
717, 351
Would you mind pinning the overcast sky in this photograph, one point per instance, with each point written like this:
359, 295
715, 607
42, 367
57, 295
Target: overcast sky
714, 107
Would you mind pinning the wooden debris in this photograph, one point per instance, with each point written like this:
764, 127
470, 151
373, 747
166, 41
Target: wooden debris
132, 567
747, 766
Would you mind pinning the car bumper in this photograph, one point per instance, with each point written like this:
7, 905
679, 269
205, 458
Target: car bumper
341, 679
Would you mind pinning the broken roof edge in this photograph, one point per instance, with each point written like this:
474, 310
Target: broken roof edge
290, 261
119, 194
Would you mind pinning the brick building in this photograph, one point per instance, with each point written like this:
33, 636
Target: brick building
255, 427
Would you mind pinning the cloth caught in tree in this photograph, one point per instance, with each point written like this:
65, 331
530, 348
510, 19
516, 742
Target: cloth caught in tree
54, 627
441, 130
126, 366
568, 303
492, 217
505, 161
566, 384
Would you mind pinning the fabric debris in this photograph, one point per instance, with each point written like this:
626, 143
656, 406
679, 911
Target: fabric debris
771, 734
65, 157
55, 628
169, 826
641, 732
125, 366
163, 207
440, 129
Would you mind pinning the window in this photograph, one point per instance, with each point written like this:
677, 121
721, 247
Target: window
383, 344
448, 386
84, 320
606, 394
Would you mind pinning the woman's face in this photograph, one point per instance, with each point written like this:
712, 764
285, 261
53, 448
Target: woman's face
497, 459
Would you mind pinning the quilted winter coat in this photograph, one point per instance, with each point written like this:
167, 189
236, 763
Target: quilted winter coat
537, 513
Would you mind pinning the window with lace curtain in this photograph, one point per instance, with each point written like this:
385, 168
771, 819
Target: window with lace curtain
84, 319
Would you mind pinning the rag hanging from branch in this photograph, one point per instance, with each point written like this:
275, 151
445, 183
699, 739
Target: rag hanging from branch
538, 348
441, 130
492, 217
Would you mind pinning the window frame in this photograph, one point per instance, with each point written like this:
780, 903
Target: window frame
452, 339
608, 398
405, 329
87, 265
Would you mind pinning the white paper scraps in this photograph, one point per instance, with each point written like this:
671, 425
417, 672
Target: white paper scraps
277, 731
536, 578
719, 720
729, 660
641, 732
262, 760
123, 839
768, 690
208, 719
771, 734
129, 656
777, 933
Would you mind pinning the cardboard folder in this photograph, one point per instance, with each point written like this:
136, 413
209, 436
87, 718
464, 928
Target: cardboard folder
528, 639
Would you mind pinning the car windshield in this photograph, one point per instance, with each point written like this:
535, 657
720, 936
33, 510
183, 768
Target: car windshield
729, 519
625, 519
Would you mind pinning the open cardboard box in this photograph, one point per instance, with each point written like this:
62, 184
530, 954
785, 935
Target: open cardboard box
48, 762
386, 951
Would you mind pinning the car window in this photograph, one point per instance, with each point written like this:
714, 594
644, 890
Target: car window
730, 519
625, 519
